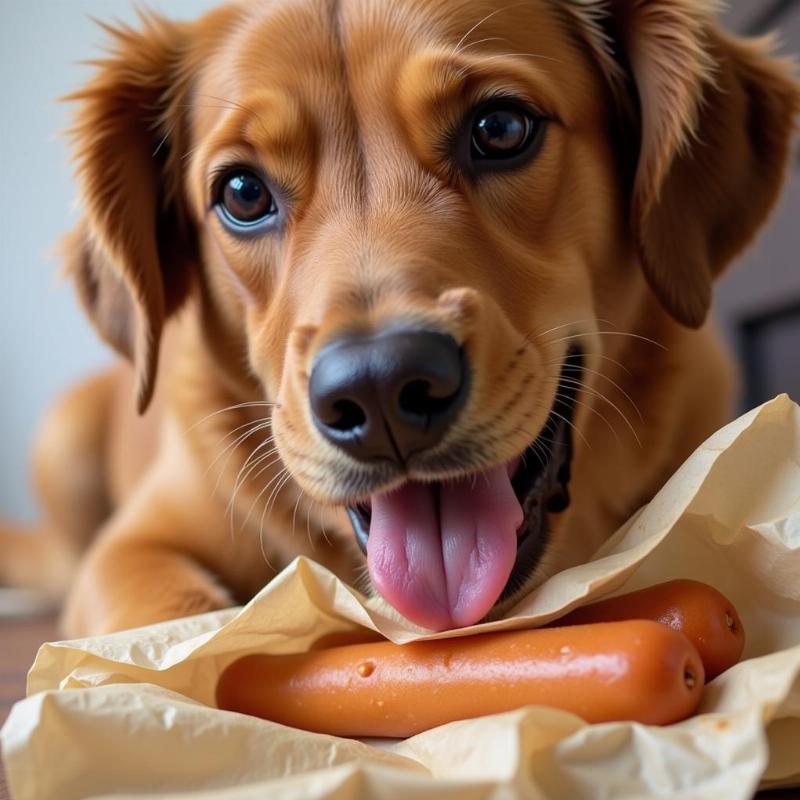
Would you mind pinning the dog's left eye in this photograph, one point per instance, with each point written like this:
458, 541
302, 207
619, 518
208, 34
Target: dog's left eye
243, 200
502, 131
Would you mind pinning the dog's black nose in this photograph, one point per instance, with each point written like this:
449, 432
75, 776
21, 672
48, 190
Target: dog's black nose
389, 395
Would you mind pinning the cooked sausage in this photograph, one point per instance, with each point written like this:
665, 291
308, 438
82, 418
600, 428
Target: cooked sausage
706, 617
637, 670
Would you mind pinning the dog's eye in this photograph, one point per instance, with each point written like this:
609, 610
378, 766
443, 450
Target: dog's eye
244, 200
503, 131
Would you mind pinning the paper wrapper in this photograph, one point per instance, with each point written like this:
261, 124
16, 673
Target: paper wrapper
131, 714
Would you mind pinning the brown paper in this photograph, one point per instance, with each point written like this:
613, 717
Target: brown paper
130, 714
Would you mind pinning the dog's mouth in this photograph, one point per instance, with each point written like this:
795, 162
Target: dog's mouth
445, 553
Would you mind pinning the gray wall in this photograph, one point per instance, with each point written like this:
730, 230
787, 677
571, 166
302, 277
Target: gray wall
46, 343
767, 279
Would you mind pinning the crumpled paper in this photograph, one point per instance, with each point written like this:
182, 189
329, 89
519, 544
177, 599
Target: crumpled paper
131, 714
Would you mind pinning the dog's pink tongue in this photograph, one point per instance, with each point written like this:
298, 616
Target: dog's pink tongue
446, 567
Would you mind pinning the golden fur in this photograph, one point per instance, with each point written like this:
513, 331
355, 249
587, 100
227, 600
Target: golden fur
666, 150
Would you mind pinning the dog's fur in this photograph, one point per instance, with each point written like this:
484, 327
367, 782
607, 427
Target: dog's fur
666, 150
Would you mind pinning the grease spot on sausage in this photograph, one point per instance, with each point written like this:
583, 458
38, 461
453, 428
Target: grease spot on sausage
365, 669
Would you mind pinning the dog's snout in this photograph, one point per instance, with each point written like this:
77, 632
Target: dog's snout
389, 395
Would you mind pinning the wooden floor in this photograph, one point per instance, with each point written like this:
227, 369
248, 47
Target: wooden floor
19, 641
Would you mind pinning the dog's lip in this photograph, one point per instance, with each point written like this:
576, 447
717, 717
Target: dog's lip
540, 483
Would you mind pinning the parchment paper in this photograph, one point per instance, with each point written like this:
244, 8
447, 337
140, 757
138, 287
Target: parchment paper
128, 715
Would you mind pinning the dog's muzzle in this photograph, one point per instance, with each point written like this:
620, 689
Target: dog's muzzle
444, 553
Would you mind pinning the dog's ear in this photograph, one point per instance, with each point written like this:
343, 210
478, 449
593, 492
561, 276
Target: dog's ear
716, 115
131, 256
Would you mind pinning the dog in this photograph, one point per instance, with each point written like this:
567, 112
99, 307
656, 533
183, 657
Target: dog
415, 288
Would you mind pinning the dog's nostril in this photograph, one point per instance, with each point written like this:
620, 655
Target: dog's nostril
414, 398
417, 398
350, 416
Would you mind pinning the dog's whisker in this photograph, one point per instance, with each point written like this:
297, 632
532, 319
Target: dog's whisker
269, 507
263, 490
538, 440
171, 128
229, 509
588, 354
618, 387
480, 41
540, 334
261, 544
539, 437
563, 418
542, 454
597, 393
300, 495
593, 410
166, 136
308, 523
270, 440
245, 472
272, 501
190, 152
263, 469
538, 450
242, 476
278, 476
247, 424
251, 424
581, 386
324, 529
223, 470
231, 448
248, 404
609, 333
610, 380
471, 67
254, 424
189, 106
480, 22
521, 55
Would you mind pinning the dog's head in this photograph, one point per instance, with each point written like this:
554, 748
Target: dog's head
408, 217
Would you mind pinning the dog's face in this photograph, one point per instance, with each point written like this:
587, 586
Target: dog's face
409, 216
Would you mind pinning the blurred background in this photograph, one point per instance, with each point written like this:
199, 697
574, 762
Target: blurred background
46, 342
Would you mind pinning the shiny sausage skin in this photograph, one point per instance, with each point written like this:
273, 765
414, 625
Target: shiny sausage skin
637, 670
705, 616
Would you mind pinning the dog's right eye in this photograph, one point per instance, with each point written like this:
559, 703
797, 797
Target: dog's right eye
243, 200
501, 134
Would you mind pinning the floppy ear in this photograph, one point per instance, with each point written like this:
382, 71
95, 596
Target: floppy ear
716, 116
132, 254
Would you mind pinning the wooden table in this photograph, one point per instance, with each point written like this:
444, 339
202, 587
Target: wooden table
19, 641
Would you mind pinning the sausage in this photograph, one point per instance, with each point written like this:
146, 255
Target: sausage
701, 613
637, 670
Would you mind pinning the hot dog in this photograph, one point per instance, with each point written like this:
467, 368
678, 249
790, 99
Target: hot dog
706, 617
637, 670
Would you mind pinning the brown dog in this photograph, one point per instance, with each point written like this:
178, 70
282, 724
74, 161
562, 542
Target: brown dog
430, 265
